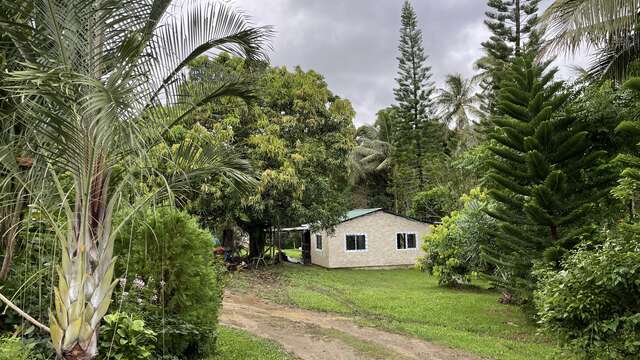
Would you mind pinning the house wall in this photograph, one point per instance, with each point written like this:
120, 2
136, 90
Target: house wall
320, 257
380, 229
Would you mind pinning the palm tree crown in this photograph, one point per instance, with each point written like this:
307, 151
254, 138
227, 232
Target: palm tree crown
457, 101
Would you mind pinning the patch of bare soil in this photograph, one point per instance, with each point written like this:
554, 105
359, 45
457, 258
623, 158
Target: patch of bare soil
319, 336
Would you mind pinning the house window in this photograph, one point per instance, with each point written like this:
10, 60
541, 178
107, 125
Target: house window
356, 242
318, 242
405, 241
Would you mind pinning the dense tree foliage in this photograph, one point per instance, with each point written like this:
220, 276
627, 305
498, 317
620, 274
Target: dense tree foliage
171, 280
592, 305
546, 176
295, 136
453, 250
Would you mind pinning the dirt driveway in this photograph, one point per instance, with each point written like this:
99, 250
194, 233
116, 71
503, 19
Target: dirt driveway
320, 336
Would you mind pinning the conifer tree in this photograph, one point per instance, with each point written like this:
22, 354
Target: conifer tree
544, 177
512, 24
415, 132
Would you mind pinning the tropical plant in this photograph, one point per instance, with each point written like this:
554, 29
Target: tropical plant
171, 280
101, 82
371, 155
12, 348
592, 305
371, 164
126, 338
457, 102
608, 26
452, 250
628, 188
15, 164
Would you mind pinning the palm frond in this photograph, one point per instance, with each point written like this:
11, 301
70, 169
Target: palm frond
613, 60
571, 24
203, 28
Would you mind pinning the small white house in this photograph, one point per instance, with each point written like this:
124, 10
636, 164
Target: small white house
369, 238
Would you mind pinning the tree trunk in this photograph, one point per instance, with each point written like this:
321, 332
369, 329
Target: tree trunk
554, 233
227, 239
256, 240
518, 28
9, 225
418, 164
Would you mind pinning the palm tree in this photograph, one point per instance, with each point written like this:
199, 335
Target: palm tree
609, 26
371, 155
457, 102
102, 80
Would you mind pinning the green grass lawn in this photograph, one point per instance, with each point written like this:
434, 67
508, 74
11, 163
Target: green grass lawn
296, 253
239, 345
407, 301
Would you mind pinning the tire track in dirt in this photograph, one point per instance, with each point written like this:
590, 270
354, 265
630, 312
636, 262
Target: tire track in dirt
313, 335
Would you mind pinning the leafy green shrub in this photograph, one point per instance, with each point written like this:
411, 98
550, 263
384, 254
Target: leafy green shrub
433, 204
123, 337
173, 281
13, 348
593, 304
453, 248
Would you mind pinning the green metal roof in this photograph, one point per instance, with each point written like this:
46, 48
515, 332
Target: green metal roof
358, 212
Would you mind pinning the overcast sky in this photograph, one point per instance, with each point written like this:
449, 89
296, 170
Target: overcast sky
353, 43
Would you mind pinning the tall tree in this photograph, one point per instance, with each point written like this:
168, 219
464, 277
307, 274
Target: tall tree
545, 176
416, 130
511, 23
101, 83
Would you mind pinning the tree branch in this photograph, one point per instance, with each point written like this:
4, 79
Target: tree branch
24, 314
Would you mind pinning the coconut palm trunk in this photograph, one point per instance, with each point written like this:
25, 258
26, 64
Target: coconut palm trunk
102, 82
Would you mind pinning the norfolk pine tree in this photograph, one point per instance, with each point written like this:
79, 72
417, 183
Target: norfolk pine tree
512, 24
416, 131
544, 177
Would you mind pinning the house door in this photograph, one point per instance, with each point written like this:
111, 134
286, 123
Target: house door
306, 247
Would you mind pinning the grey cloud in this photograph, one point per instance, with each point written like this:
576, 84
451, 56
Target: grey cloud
353, 43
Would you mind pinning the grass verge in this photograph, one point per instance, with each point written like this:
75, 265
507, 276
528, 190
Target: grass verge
236, 344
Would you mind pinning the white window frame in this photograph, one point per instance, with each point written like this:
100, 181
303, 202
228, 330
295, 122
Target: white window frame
321, 242
395, 240
366, 242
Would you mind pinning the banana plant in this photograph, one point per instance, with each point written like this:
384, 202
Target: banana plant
100, 82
